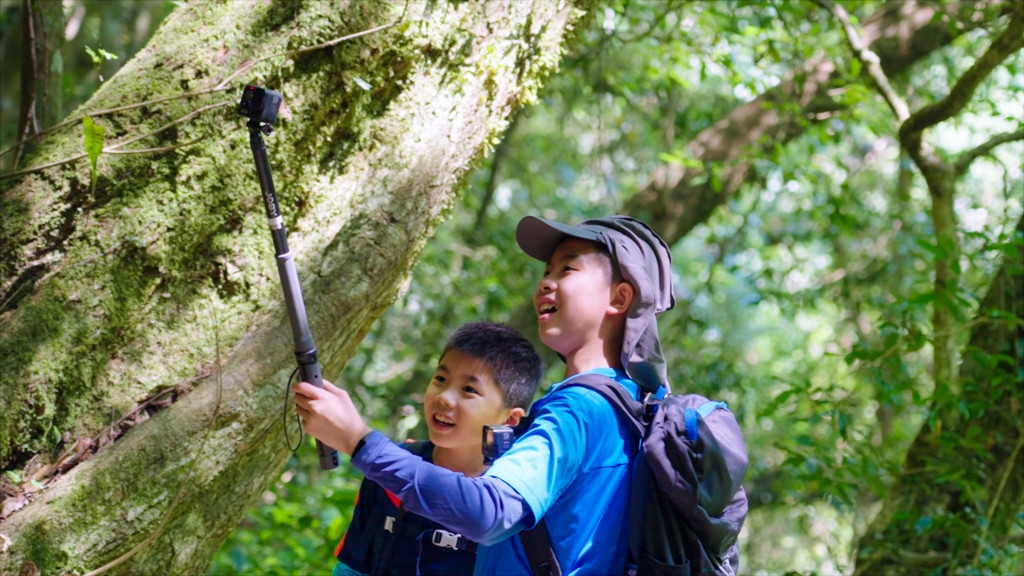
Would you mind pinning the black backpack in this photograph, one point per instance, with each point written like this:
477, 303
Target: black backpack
687, 504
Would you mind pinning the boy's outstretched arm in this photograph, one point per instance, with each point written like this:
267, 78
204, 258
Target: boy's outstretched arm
483, 509
329, 415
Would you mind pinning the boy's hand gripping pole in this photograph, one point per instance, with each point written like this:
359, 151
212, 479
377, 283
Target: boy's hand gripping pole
305, 351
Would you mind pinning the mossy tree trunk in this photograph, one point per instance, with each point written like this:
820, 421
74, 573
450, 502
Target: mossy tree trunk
156, 280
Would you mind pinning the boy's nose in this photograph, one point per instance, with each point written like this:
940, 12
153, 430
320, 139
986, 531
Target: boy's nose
444, 399
545, 285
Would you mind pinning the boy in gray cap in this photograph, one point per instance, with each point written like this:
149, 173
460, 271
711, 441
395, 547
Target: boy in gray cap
604, 281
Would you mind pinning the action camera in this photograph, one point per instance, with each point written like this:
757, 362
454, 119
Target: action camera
260, 104
496, 441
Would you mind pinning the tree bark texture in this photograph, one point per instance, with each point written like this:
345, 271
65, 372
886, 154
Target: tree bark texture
950, 509
159, 280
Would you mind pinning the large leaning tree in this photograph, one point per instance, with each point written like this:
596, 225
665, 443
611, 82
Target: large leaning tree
144, 347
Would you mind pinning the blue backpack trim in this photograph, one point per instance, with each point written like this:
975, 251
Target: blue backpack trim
703, 410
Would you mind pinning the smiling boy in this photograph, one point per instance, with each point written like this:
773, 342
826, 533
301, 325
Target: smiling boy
604, 281
488, 374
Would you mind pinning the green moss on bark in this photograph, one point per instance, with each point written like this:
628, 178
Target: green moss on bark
168, 267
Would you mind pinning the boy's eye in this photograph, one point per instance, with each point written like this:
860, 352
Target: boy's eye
438, 378
469, 390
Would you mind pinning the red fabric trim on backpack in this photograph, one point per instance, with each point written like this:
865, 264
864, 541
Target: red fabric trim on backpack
394, 499
341, 544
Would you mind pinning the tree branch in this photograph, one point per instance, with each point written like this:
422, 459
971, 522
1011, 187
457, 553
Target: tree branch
923, 559
115, 148
990, 513
963, 162
871, 61
28, 123
158, 150
188, 116
111, 111
1011, 40
245, 67
500, 153
220, 87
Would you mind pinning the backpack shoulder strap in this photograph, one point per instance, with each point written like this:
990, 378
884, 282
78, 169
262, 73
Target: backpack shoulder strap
710, 406
630, 409
537, 545
407, 527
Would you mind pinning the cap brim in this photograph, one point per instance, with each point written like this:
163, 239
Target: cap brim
539, 237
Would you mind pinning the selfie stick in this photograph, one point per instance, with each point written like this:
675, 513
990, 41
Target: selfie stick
305, 351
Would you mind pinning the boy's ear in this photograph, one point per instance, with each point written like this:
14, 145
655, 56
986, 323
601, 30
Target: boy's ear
622, 298
514, 415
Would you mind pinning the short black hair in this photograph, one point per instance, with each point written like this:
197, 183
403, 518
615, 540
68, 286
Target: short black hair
512, 359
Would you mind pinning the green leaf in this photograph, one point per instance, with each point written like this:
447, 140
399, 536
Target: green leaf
99, 55
779, 400
93, 55
93, 143
933, 247
915, 340
855, 67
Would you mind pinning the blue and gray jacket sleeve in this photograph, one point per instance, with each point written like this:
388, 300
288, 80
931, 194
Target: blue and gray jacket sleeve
483, 509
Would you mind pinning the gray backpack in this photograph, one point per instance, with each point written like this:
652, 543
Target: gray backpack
687, 504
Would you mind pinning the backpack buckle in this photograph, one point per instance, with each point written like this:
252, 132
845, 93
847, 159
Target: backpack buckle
445, 539
650, 409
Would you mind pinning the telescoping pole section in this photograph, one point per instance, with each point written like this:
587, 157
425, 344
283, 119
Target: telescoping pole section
305, 351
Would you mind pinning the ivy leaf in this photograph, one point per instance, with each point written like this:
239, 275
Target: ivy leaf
93, 144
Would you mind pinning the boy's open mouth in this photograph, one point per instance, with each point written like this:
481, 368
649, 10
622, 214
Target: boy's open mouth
546, 308
442, 421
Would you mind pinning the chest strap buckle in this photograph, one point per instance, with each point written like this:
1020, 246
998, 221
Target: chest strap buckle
445, 539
